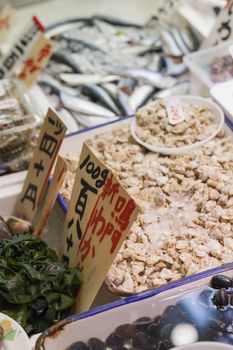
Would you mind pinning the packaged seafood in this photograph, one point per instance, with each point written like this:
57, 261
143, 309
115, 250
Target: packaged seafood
186, 201
19, 125
195, 310
209, 67
104, 68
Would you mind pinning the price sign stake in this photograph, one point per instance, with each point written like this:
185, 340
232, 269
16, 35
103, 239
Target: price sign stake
45, 153
99, 218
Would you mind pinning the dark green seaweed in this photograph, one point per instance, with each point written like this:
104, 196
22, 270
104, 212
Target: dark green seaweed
35, 288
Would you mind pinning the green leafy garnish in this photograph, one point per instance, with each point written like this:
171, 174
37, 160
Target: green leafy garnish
35, 288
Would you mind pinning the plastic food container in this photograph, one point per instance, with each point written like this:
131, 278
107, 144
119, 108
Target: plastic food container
19, 122
209, 67
180, 314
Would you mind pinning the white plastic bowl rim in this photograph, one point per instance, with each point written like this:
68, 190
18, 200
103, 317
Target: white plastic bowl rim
190, 99
205, 346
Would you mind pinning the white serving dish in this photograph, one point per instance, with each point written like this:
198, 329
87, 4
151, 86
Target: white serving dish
201, 82
187, 99
100, 322
14, 335
223, 95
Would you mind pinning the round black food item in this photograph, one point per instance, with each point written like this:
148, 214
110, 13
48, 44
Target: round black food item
154, 329
139, 340
165, 332
114, 341
96, 344
173, 314
221, 299
221, 281
142, 323
163, 345
79, 345
125, 331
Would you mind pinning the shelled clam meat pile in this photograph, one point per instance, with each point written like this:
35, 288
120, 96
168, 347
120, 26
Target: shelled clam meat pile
186, 220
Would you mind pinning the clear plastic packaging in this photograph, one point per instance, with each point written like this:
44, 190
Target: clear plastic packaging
196, 309
209, 67
19, 122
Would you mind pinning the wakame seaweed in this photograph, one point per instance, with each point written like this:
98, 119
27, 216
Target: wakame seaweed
35, 288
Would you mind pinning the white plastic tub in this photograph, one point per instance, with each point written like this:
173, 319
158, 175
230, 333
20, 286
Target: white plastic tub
100, 322
199, 66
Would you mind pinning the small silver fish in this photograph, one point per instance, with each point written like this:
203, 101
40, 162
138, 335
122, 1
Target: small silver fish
140, 96
154, 78
68, 120
174, 69
87, 79
80, 105
100, 94
170, 46
89, 120
55, 85
177, 35
179, 89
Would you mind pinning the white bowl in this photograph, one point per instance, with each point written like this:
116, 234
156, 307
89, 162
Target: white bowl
205, 346
15, 338
189, 99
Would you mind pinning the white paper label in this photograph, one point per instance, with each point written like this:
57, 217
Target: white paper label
175, 111
2, 91
10, 103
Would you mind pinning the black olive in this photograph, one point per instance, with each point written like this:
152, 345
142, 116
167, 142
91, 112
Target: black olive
154, 329
142, 323
173, 314
79, 345
96, 344
166, 331
139, 340
113, 340
221, 299
221, 281
125, 331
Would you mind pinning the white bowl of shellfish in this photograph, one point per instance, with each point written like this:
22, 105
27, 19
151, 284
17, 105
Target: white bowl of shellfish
177, 124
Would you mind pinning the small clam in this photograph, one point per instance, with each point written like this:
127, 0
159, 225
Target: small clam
18, 226
4, 230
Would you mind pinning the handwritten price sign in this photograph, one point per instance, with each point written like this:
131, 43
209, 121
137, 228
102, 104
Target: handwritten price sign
100, 215
7, 12
45, 153
36, 59
223, 28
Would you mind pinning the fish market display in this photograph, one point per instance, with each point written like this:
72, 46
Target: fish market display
36, 290
103, 68
153, 126
220, 69
19, 124
186, 224
197, 316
